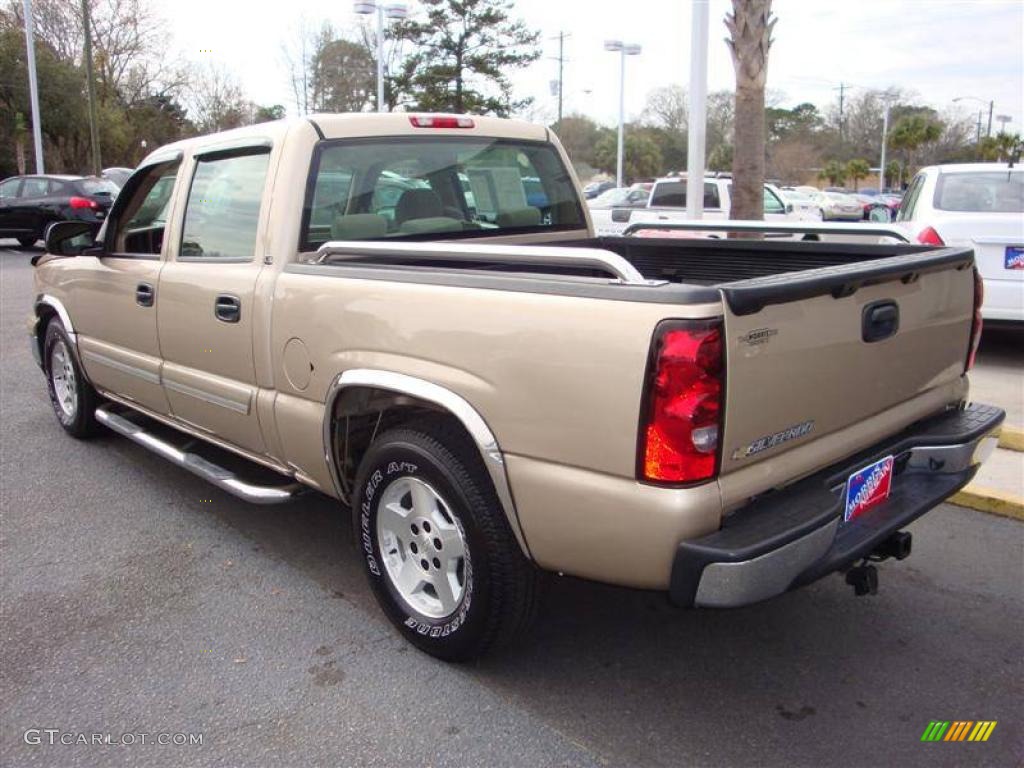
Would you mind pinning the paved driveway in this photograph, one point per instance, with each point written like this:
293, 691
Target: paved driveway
135, 599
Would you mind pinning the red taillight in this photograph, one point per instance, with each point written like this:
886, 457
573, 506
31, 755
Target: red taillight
979, 298
682, 413
929, 236
84, 202
441, 121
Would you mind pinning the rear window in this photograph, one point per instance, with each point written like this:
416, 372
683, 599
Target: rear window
986, 191
98, 187
672, 194
370, 189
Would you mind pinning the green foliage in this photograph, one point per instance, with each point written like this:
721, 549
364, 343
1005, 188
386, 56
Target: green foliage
641, 156
463, 51
1003, 148
343, 73
720, 158
856, 170
914, 131
834, 172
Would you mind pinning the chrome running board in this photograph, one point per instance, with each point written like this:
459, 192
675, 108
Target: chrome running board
223, 478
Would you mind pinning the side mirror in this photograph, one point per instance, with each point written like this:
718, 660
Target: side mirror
789, 207
70, 238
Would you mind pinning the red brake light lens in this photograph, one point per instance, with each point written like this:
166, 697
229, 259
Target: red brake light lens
441, 121
979, 298
83, 202
929, 236
683, 407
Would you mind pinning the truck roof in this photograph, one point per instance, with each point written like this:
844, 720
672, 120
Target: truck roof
363, 124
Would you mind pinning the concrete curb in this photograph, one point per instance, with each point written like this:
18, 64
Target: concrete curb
990, 500
1011, 438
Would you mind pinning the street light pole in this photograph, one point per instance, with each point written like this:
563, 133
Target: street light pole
33, 87
696, 144
624, 50
392, 11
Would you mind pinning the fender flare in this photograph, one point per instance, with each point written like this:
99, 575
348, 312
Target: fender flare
456, 405
46, 300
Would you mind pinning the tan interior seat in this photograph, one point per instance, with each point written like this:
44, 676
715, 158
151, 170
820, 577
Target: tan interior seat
359, 226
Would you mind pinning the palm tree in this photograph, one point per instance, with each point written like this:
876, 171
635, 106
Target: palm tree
750, 37
834, 172
856, 170
911, 133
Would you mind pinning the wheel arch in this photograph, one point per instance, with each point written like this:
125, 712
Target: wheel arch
46, 308
369, 393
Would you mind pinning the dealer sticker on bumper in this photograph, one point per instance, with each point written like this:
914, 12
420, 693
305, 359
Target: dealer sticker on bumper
867, 488
1014, 258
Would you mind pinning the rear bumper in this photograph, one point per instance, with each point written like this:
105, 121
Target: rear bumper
1004, 301
795, 536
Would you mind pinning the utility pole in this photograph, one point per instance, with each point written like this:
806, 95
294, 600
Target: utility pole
842, 91
94, 132
561, 68
991, 106
885, 139
33, 87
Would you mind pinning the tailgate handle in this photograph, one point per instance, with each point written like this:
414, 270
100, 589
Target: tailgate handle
880, 320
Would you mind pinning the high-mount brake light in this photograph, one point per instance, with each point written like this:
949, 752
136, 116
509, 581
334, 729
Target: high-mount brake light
681, 420
441, 121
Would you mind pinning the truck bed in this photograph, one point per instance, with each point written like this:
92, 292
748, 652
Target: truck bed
718, 261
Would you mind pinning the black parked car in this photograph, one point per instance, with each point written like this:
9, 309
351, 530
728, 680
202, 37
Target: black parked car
29, 203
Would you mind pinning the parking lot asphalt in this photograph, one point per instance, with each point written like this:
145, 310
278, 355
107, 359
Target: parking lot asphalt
135, 598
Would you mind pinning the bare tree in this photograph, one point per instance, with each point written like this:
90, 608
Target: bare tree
215, 100
750, 29
666, 108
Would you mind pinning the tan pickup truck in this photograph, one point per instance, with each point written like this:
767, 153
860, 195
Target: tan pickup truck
411, 314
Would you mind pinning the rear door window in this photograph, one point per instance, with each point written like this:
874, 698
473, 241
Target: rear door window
910, 199
35, 188
223, 209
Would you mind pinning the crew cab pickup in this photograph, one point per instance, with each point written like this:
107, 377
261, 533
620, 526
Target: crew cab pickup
667, 203
370, 307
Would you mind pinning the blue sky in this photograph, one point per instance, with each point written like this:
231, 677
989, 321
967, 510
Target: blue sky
939, 49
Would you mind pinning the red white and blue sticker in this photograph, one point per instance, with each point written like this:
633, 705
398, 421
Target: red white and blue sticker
1014, 257
867, 488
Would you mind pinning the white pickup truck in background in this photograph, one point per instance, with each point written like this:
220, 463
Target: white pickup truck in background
667, 202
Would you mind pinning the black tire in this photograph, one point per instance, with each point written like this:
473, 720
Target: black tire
80, 420
27, 242
499, 590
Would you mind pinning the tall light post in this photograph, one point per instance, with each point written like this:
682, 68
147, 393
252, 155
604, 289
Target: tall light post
696, 141
991, 106
624, 50
887, 100
392, 11
33, 86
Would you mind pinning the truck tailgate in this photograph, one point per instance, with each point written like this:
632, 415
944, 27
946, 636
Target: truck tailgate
811, 353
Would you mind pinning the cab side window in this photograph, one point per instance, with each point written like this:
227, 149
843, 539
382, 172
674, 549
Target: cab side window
9, 188
772, 204
139, 217
910, 199
35, 188
223, 208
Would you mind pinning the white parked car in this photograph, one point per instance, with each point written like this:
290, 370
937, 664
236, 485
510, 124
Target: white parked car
838, 206
804, 205
667, 203
980, 205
